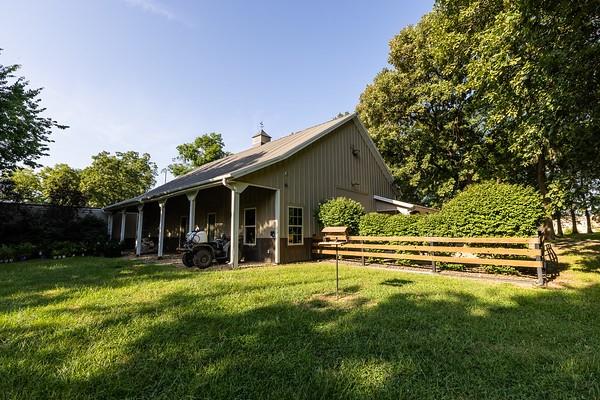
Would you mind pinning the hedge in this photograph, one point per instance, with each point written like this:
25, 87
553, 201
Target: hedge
341, 211
487, 209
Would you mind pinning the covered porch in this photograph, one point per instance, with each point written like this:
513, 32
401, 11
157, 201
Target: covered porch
247, 214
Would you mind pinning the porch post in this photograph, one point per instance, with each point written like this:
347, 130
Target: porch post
277, 226
110, 225
123, 219
192, 218
138, 233
161, 228
235, 224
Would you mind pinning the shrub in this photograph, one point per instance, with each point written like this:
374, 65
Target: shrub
341, 211
111, 248
373, 224
403, 225
490, 209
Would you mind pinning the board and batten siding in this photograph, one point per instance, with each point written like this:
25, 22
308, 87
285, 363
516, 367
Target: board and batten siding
324, 170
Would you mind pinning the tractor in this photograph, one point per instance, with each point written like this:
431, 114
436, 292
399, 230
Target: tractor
199, 252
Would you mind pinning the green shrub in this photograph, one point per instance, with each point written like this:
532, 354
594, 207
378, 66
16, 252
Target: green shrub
490, 209
487, 209
403, 225
373, 224
111, 248
341, 211
6, 252
24, 251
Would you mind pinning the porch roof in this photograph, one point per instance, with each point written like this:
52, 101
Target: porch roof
240, 164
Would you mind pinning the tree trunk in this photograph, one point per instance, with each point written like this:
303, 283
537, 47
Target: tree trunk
559, 224
574, 222
548, 226
588, 219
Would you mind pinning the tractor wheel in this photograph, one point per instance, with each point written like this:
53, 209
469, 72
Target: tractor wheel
188, 259
203, 258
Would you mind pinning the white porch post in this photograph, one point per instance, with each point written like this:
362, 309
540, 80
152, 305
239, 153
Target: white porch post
123, 219
110, 225
192, 217
161, 228
138, 233
235, 224
277, 226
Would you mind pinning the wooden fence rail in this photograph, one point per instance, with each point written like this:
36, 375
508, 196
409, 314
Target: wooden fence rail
523, 252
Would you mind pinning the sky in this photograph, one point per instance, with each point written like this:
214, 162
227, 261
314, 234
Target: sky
147, 75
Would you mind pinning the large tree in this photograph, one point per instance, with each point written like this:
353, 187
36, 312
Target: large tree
24, 130
112, 178
493, 89
61, 185
420, 110
204, 149
27, 185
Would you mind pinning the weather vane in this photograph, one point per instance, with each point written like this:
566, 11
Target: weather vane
261, 125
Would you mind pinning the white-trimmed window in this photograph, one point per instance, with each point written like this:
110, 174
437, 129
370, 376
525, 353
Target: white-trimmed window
295, 230
250, 226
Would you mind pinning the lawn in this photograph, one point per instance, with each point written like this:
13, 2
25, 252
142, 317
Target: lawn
91, 327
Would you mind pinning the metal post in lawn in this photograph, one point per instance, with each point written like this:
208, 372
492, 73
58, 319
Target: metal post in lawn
433, 266
337, 274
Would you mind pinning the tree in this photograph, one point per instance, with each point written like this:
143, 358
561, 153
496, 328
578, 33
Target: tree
489, 89
204, 149
60, 185
27, 185
420, 111
24, 131
113, 178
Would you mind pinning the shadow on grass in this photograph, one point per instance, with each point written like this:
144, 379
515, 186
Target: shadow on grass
425, 345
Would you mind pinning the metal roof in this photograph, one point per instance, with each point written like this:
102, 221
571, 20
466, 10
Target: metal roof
242, 163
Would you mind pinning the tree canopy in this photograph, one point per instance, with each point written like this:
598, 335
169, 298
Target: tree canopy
113, 178
490, 90
61, 185
204, 149
24, 130
27, 185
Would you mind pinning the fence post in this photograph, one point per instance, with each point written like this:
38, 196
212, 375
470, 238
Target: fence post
540, 268
433, 266
362, 252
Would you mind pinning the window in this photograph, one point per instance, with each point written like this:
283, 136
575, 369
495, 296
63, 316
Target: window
295, 234
250, 226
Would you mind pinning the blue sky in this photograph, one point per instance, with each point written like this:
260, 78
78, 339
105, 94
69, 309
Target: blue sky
146, 75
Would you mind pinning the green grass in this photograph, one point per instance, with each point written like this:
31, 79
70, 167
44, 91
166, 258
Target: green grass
99, 328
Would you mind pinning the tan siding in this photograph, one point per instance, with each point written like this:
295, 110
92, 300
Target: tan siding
323, 170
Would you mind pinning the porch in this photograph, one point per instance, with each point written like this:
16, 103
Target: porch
254, 221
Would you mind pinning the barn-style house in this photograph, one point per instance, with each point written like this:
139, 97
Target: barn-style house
265, 196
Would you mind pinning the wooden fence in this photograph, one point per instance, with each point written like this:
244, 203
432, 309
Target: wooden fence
522, 252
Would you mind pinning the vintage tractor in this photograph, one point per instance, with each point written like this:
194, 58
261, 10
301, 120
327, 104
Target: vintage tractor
199, 252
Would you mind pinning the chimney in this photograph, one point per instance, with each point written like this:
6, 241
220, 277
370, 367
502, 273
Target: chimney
260, 138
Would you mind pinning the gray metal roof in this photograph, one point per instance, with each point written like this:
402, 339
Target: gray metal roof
242, 163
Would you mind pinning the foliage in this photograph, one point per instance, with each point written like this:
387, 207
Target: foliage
486, 209
376, 224
204, 149
493, 209
113, 178
27, 185
341, 211
61, 185
24, 131
477, 90
373, 224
